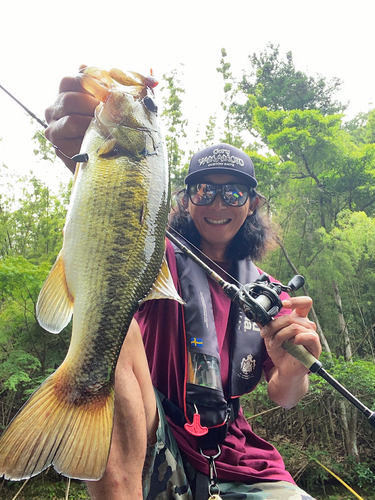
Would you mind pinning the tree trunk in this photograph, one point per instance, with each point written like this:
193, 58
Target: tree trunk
342, 323
349, 426
348, 417
319, 330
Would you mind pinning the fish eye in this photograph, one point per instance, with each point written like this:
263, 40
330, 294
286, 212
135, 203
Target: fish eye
150, 104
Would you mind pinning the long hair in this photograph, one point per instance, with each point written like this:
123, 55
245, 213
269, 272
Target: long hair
252, 240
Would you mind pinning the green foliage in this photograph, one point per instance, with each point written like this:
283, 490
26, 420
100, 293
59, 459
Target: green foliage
30, 238
44, 149
175, 127
32, 225
230, 132
370, 128
347, 255
16, 369
210, 132
278, 85
362, 127
362, 474
47, 486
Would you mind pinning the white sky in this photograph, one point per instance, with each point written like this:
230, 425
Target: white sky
44, 40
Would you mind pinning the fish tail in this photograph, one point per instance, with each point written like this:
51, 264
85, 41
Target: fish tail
74, 437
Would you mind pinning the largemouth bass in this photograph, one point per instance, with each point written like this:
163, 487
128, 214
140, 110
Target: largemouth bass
112, 256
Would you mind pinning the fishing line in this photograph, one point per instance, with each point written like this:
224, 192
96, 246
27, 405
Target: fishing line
202, 253
25, 108
80, 157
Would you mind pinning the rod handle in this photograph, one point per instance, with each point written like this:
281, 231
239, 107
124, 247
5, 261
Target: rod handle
302, 355
311, 363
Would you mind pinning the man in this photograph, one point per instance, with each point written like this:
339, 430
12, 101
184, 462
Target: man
201, 356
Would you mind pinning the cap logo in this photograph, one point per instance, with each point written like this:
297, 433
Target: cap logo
221, 156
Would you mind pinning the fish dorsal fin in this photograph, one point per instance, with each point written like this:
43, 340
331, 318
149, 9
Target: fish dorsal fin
55, 304
163, 287
126, 78
96, 81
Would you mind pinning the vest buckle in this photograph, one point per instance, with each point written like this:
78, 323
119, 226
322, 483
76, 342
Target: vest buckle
213, 487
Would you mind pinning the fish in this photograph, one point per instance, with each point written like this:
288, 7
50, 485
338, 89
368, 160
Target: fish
112, 259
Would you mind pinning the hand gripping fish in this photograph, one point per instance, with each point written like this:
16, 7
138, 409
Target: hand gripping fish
112, 255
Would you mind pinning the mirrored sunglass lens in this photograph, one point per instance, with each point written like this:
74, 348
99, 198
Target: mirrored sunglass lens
235, 194
202, 194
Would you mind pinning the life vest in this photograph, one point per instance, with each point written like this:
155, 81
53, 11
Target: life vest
204, 396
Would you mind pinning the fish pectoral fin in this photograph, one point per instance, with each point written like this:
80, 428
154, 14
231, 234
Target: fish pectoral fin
55, 303
51, 430
163, 288
107, 147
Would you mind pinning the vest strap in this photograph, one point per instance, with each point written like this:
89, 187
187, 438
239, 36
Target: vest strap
203, 387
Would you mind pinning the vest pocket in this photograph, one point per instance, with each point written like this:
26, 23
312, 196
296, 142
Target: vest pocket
204, 370
208, 402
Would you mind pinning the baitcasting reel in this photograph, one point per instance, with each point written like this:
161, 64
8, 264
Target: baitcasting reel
260, 300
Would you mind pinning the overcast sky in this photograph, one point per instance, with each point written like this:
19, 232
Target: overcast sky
44, 40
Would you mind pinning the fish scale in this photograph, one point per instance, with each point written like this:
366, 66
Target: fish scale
112, 256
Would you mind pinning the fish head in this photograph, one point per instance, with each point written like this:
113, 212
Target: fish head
127, 115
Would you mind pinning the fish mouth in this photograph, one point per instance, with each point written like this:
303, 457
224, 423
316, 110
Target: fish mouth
217, 222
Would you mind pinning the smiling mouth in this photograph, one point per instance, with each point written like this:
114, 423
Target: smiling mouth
217, 221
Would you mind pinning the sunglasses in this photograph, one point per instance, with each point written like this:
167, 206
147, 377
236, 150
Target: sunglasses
233, 194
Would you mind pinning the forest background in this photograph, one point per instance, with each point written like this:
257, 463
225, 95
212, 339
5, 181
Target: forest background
316, 170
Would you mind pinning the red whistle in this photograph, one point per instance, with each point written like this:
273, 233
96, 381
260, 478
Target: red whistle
195, 428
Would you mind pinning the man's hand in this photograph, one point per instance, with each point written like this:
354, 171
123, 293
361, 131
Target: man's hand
68, 118
288, 379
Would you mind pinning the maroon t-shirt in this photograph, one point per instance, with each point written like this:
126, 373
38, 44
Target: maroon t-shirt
244, 456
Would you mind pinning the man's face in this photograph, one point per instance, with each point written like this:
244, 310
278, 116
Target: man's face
218, 223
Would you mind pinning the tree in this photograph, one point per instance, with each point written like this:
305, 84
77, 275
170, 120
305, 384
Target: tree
362, 127
313, 149
44, 149
175, 126
278, 85
32, 225
30, 238
231, 133
314, 169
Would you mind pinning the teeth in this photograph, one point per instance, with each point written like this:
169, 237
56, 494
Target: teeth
215, 221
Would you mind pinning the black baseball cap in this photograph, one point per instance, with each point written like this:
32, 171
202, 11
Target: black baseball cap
221, 159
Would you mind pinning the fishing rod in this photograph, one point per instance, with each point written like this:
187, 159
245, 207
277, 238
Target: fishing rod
81, 157
260, 302
25, 108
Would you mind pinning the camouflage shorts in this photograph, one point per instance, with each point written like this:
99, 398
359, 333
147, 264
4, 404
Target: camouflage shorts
278, 490
165, 476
